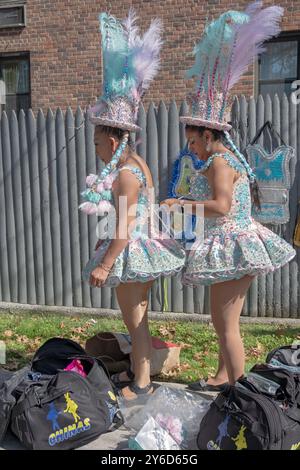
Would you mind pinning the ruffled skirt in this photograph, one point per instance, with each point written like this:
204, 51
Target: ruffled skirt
142, 260
225, 256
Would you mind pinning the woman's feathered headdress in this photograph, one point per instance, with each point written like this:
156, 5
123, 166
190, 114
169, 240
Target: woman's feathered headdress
223, 55
130, 62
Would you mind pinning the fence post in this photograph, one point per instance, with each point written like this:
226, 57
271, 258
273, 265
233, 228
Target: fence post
45, 205
10, 211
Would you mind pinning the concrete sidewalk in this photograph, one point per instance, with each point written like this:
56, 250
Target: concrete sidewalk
115, 440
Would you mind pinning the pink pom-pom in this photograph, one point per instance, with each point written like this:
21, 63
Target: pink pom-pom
88, 207
104, 206
100, 187
91, 179
108, 181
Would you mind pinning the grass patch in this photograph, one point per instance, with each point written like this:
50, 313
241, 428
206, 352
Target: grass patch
24, 333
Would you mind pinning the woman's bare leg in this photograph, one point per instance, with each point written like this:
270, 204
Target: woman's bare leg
221, 374
133, 299
227, 299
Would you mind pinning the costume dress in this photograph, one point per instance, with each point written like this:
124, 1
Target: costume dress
144, 258
235, 244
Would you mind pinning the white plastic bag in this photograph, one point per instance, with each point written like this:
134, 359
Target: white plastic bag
177, 411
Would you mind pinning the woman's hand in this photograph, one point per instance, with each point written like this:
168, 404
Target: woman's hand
98, 277
169, 202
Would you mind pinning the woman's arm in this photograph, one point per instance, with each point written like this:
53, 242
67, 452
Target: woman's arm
128, 187
221, 177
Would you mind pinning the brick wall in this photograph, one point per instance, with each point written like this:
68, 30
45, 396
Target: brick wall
63, 39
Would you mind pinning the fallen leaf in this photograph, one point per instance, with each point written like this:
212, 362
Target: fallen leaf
22, 339
171, 373
184, 366
167, 331
256, 351
197, 356
8, 333
75, 338
79, 329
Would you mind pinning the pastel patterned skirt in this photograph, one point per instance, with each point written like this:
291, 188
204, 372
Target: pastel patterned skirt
142, 260
224, 255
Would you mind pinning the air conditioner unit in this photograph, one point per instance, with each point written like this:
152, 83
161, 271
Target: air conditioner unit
12, 14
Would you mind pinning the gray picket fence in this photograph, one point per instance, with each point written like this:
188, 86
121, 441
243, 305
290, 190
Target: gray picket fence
45, 241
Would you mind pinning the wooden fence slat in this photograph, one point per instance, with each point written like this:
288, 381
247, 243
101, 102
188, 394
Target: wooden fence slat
45, 241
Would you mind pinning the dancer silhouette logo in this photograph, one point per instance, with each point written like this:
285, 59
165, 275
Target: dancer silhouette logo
67, 432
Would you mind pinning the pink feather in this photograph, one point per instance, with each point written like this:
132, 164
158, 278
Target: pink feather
130, 27
263, 25
146, 55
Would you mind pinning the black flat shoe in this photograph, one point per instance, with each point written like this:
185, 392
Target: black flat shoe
118, 382
138, 391
203, 386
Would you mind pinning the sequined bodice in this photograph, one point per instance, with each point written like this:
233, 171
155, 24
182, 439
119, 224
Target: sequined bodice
142, 210
239, 216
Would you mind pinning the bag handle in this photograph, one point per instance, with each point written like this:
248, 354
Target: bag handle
271, 128
223, 403
35, 400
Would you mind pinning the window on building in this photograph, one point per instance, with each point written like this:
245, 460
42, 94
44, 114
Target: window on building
12, 13
279, 65
15, 82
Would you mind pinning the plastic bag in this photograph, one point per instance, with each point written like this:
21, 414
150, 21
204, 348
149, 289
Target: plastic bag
176, 411
153, 436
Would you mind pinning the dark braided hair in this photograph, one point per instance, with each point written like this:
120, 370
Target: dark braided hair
115, 132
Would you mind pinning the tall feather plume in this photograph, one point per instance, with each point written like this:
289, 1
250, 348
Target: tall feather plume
131, 29
263, 24
114, 45
216, 41
253, 7
131, 61
230, 43
146, 59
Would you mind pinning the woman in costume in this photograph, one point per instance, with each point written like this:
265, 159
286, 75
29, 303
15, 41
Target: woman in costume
235, 247
131, 259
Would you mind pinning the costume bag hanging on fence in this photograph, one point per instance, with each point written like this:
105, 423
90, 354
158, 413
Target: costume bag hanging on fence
274, 178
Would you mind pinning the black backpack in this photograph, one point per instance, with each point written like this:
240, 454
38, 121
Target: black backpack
287, 357
9, 383
243, 418
58, 409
